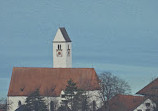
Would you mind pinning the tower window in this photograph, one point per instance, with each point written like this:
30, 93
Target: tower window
19, 103
68, 47
58, 47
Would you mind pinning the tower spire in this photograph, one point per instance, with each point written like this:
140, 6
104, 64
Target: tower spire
62, 52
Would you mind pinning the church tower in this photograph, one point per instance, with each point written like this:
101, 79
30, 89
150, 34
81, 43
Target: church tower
62, 52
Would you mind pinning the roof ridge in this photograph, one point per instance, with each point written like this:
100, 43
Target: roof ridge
51, 68
148, 85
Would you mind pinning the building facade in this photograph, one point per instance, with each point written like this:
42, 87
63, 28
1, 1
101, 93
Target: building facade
52, 82
131, 103
62, 50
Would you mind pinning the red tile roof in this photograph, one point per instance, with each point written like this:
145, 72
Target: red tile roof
125, 102
50, 81
151, 89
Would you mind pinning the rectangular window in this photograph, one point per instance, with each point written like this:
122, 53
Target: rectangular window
62, 96
147, 104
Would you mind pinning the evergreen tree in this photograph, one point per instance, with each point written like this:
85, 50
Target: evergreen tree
75, 98
35, 102
80, 102
70, 91
71, 88
77, 101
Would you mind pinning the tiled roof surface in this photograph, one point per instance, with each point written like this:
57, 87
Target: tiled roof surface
151, 89
50, 81
65, 35
125, 102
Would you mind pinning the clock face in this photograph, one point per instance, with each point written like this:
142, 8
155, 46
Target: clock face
59, 53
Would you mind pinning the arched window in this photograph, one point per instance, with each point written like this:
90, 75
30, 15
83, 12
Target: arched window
94, 106
58, 47
19, 103
52, 106
68, 47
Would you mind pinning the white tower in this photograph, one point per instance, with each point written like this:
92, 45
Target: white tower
62, 52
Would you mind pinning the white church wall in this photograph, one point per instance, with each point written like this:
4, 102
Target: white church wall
59, 36
14, 100
64, 60
95, 96
148, 104
92, 96
55, 100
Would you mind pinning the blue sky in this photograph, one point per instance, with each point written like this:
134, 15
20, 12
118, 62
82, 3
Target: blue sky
119, 36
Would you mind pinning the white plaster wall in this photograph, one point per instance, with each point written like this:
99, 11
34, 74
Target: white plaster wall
56, 101
92, 96
58, 36
13, 100
143, 106
65, 61
95, 96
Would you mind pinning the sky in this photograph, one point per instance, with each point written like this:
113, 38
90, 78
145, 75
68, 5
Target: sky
117, 36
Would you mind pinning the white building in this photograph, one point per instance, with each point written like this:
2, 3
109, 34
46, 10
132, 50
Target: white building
52, 81
131, 103
147, 105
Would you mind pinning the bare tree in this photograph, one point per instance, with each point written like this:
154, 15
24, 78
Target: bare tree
3, 104
110, 86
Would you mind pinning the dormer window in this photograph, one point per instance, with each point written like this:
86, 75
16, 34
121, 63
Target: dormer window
21, 89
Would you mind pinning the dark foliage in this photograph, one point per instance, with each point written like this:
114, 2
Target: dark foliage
3, 104
70, 88
76, 99
35, 102
64, 108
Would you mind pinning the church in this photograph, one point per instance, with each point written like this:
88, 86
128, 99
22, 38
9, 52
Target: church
52, 82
